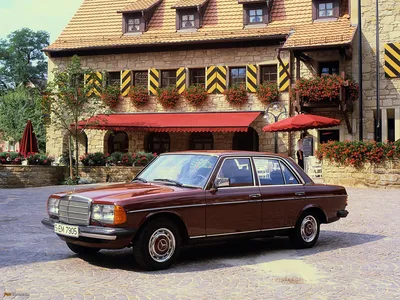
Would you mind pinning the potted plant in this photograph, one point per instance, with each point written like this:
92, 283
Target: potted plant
39, 159
93, 159
268, 92
139, 95
110, 95
236, 94
168, 97
196, 94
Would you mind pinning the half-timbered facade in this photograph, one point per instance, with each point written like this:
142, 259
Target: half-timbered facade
217, 43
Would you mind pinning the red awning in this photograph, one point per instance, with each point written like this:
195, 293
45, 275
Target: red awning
173, 122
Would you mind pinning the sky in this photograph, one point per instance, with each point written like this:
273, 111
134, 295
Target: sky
49, 15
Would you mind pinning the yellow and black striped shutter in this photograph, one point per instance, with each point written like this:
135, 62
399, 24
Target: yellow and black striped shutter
392, 60
251, 78
283, 76
211, 76
154, 81
221, 79
181, 80
126, 81
94, 79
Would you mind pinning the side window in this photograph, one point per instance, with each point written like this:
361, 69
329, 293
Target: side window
289, 176
238, 170
269, 171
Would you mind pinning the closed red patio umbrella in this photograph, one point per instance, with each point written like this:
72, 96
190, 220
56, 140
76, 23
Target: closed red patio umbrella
301, 122
28, 142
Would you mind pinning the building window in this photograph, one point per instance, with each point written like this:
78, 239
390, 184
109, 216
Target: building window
197, 76
237, 75
256, 16
268, 74
187, 21
158, 142
168, 78
201, 141
118, 141
329, 135
325, 9
140, 78
133, 24
329, 68
114, 78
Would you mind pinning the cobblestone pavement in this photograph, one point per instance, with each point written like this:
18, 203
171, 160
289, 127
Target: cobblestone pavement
355, 258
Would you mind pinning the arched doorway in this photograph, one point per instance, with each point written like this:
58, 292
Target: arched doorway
201, 141
118, 142
158, 142
246, 141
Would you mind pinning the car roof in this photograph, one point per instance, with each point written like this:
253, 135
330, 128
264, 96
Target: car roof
226, 153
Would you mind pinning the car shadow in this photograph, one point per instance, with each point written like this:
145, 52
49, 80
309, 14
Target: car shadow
234, 253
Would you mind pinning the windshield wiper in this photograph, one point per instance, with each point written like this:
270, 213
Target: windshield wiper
169, 180
139, 179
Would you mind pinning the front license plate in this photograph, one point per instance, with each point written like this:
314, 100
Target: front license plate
67, 230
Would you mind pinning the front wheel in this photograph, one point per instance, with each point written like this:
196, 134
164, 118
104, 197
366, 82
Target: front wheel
306, 232
158, 245
82, 249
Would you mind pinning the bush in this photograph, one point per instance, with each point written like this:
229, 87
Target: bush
93, 159
143, 158
139, 95
120, 159
110, 95
10, 158
39, 159
168, 97
356, 153
196, 94
65, 159
268, 92
236, 94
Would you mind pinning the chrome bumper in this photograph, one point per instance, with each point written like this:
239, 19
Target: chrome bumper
95, 232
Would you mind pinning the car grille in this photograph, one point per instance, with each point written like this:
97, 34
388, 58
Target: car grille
74, 210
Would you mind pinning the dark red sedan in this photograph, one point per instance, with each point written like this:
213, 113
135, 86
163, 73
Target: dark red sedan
194, 197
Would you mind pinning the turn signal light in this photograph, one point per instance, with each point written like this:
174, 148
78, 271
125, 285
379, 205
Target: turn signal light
119, 215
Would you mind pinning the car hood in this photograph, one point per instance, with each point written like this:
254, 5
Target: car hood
117, 192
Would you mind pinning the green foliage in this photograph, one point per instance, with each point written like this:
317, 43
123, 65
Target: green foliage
10, 158
71, 181
39, 159
21, 59
110, 95
120, 159
356, 153
65, 159
117, 159
16, 108
143, 158
93, 159
268, 92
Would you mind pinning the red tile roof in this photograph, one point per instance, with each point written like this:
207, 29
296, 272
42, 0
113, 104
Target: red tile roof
139, 5
189, 3
97, 24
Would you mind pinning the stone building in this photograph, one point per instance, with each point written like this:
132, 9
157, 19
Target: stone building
217, 43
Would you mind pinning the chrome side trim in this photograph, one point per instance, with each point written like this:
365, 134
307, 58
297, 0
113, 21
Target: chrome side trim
324, 196
98, 236
241, 232
235, 202
166, 207
281, 199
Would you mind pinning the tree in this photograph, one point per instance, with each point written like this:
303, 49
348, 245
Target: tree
21, 59
16, 108
71, 102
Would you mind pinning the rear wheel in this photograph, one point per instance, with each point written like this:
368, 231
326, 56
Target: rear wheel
82, 249
158, 245
306, 232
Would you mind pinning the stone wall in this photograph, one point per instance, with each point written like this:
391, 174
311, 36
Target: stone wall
97, 139
384, 175
109, 174
30, 176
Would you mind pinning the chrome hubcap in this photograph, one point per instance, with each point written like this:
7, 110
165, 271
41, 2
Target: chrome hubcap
161, 245
309, 229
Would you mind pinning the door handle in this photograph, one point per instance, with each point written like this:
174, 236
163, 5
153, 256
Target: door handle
255, 196
299, 193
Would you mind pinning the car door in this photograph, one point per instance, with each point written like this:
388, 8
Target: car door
235, 208
281, 191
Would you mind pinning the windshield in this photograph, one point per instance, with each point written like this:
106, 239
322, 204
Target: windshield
180, 169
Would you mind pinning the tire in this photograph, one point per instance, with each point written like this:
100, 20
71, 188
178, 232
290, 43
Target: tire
82, 249
158, 245
306, 232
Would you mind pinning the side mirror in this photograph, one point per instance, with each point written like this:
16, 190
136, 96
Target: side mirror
222, 182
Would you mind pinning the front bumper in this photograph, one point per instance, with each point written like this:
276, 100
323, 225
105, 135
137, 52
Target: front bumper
95, 232
342, 213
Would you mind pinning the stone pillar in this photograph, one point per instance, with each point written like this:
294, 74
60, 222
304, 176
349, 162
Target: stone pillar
95, 140
397, 123
384, 124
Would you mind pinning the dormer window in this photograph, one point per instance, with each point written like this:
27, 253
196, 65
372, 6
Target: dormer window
133, 24
256, 15
187, 21
325, 9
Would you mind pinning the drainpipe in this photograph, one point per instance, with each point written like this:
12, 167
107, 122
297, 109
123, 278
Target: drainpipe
379, 132
360, 75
